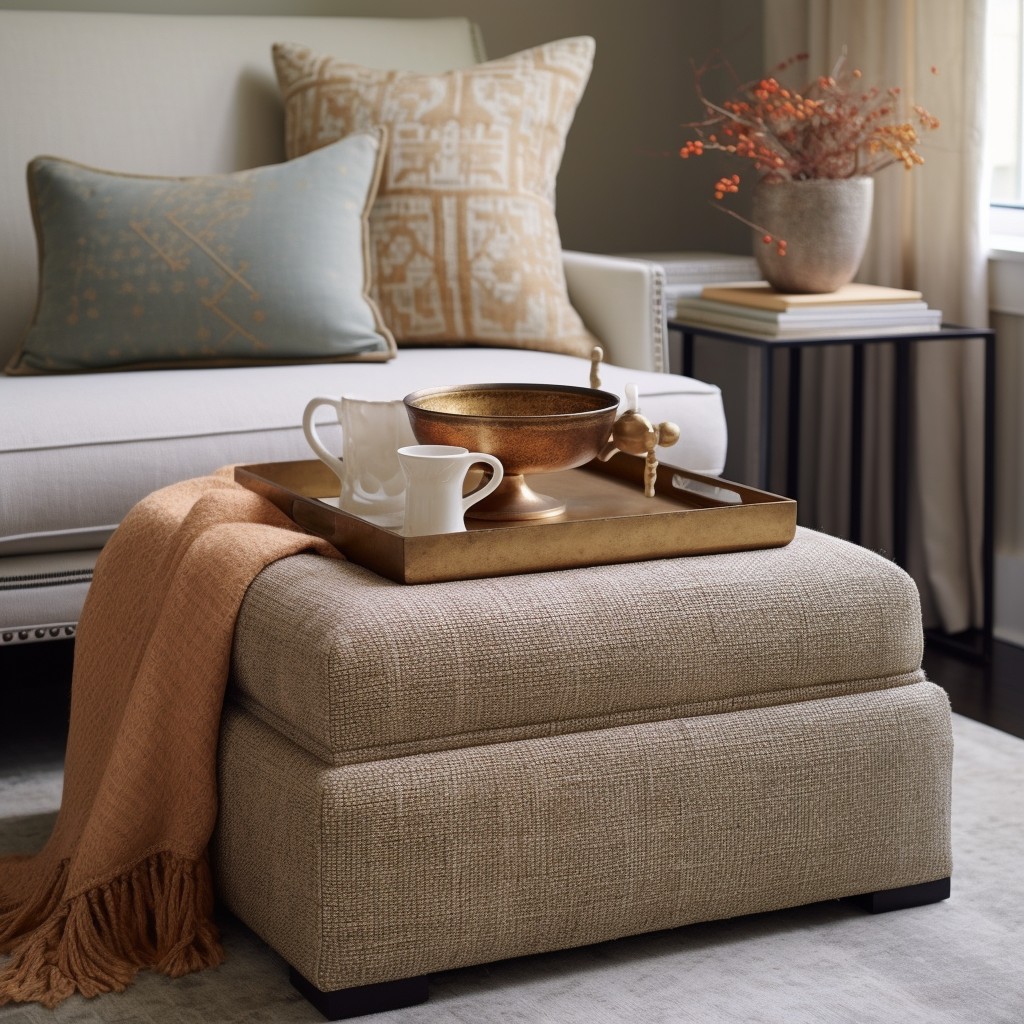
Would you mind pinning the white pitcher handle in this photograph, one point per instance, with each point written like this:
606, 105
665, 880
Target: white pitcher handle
309, 429
480, 493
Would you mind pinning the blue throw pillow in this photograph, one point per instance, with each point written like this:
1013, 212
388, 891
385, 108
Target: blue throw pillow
261, 266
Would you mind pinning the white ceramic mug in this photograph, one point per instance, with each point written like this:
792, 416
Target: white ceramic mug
434, 475
372, 484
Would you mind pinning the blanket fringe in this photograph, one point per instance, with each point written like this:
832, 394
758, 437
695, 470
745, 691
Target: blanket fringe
24, 908
158, 915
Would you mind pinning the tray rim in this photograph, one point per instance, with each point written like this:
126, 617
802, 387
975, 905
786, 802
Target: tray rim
417, 560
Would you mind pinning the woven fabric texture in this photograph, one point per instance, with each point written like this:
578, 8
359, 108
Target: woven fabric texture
354, 667
384, 870
463, 237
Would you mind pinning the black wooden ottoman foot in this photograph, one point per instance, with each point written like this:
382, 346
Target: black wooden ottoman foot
904, 897
343, 1003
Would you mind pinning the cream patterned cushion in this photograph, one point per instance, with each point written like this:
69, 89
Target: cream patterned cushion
463, 239
261, 266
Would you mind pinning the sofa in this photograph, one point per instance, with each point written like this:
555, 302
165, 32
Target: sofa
183, 96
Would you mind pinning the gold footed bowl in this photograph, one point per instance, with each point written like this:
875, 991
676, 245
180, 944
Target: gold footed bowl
530, 428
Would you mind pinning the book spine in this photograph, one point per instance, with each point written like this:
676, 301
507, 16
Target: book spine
817, 315
767, 329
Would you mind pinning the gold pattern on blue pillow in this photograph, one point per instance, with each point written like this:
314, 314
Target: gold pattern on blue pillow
261, 266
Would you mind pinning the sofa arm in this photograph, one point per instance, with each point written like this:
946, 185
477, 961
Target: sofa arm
622, 302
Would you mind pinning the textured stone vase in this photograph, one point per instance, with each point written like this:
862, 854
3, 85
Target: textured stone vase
825, 223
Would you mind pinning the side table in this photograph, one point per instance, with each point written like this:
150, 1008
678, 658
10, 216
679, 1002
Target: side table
970, 644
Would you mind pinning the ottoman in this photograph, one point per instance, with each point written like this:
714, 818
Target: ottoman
418, 778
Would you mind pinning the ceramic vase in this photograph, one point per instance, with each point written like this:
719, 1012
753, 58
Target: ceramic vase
825, 223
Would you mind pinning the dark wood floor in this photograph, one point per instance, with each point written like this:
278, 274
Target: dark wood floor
992, 694
35, 680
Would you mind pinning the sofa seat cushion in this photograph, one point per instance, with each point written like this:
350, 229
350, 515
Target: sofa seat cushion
354, 667
76, 453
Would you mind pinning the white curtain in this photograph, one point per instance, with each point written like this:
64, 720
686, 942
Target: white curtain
927, 233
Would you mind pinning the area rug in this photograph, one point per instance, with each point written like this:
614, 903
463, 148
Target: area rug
957, 962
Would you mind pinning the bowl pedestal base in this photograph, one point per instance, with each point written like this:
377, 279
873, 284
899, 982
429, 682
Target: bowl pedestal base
514, 499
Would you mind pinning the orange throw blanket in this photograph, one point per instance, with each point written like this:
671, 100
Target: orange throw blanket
124, 881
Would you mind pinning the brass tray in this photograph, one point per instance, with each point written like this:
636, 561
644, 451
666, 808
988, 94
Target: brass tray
608, 520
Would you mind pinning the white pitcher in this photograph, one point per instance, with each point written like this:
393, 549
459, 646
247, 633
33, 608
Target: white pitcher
434, 475
372, 482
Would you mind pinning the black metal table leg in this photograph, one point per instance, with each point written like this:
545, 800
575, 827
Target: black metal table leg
687, 361
989, 500
901, 453
764, 459
793, 425
857, 444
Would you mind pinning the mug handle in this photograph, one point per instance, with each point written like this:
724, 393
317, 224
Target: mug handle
481, 492
309, 429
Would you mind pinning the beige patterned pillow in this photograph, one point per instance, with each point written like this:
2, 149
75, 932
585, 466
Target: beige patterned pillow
463, 239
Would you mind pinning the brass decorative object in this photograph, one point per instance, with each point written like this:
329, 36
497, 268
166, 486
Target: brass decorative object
531, 428
636, 435
596, 355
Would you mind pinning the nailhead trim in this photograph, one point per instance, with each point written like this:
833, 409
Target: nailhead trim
36, 633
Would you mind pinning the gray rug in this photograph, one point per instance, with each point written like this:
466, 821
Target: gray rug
957, 961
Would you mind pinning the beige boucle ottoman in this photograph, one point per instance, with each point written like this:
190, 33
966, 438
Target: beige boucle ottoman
415, 779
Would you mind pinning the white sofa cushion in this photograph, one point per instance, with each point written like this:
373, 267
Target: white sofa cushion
74, 459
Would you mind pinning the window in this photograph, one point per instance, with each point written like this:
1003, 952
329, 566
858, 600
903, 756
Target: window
1005, 87
1004, 116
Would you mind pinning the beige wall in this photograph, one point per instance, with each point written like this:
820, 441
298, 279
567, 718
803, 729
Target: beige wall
622, 188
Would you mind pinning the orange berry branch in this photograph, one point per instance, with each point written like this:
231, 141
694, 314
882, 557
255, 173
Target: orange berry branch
833, 127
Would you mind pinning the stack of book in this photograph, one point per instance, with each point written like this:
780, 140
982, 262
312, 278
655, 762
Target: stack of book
854, 309
686, 273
